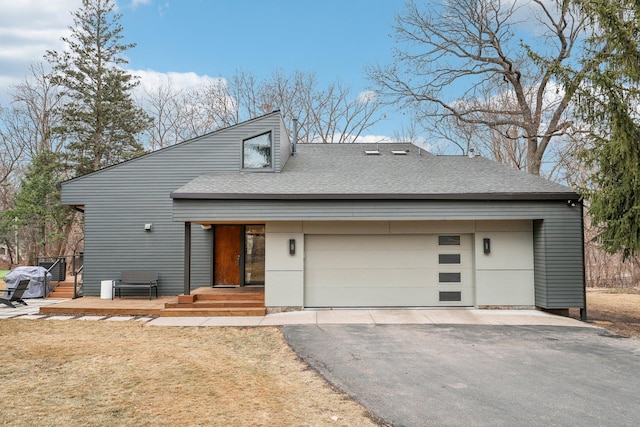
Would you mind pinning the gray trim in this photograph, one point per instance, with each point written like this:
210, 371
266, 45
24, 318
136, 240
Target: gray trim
394, 196
243, 211
583, 309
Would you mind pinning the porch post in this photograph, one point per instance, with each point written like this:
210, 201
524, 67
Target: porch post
187, 258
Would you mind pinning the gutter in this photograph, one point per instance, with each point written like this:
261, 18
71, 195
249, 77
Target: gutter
368, 196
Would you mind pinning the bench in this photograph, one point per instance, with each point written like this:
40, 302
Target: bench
136, 280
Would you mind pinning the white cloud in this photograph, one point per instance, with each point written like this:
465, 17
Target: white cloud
367, 96
371, 139
150, 80
362, 139
28, 28
136, 3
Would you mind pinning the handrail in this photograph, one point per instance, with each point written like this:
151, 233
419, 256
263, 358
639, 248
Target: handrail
75, 281
47, 291
63, 259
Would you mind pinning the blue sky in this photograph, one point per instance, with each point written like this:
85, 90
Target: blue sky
334, 38
196, 39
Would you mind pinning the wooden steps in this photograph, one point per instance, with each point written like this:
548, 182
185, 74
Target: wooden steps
218, 302
63, 290
202, 302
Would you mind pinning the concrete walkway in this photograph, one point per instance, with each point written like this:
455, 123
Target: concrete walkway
324, 316
381, 316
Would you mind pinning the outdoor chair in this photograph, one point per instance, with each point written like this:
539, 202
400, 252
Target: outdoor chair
15, 295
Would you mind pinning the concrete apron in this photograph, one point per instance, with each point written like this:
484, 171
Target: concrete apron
333, 316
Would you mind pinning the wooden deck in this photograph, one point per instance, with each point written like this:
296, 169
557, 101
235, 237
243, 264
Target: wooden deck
206, 301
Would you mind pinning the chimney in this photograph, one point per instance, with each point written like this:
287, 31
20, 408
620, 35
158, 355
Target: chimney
295, 137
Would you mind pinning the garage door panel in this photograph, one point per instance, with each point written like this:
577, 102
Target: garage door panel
380, 297
363, 278
364, 243
370, 259
387, 271
380, 277
372, 297
374, 258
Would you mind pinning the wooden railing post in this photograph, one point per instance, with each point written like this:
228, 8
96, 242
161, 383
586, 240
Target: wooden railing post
187, 258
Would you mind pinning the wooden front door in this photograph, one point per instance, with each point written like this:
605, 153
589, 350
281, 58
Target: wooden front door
226, 258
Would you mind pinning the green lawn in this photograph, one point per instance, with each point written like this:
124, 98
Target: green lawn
2, 273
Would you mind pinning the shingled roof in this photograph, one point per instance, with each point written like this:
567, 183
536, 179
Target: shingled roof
345, 171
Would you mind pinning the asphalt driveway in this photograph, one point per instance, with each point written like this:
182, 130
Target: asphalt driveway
415, 375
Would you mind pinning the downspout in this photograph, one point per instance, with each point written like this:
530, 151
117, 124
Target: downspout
295, 137
583, 311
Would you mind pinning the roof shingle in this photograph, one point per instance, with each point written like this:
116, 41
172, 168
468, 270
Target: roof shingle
345, 171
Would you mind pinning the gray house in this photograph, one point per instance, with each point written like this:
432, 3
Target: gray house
333, 225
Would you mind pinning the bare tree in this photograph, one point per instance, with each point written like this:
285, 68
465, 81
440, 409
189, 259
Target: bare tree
30, 153
11, 148
450, 132
466, 59
26, 128
163, 104
37, 103
410, 133
180, 114
337, 116
330, 114
207, 109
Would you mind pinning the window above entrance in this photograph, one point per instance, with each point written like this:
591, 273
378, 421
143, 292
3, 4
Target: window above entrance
256, 152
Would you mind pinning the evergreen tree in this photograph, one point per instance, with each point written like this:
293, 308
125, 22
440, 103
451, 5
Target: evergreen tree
101, 120
610, 103
37, 206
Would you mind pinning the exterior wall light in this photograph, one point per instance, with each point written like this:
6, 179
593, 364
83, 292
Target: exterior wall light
148, 227
292, 246
486, 245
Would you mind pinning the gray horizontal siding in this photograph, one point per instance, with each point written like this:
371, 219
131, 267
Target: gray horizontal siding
119, 200
558, 263
344, 210
540, 263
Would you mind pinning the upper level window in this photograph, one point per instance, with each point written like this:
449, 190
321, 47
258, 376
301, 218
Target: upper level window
256, 152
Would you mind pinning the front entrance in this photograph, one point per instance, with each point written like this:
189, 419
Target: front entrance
238, 255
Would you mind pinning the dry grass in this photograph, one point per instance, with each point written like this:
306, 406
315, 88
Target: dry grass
618, 312
123, 373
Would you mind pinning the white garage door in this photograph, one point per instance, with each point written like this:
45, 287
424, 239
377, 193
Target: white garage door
388, 270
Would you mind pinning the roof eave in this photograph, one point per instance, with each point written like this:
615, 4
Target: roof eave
377, 196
